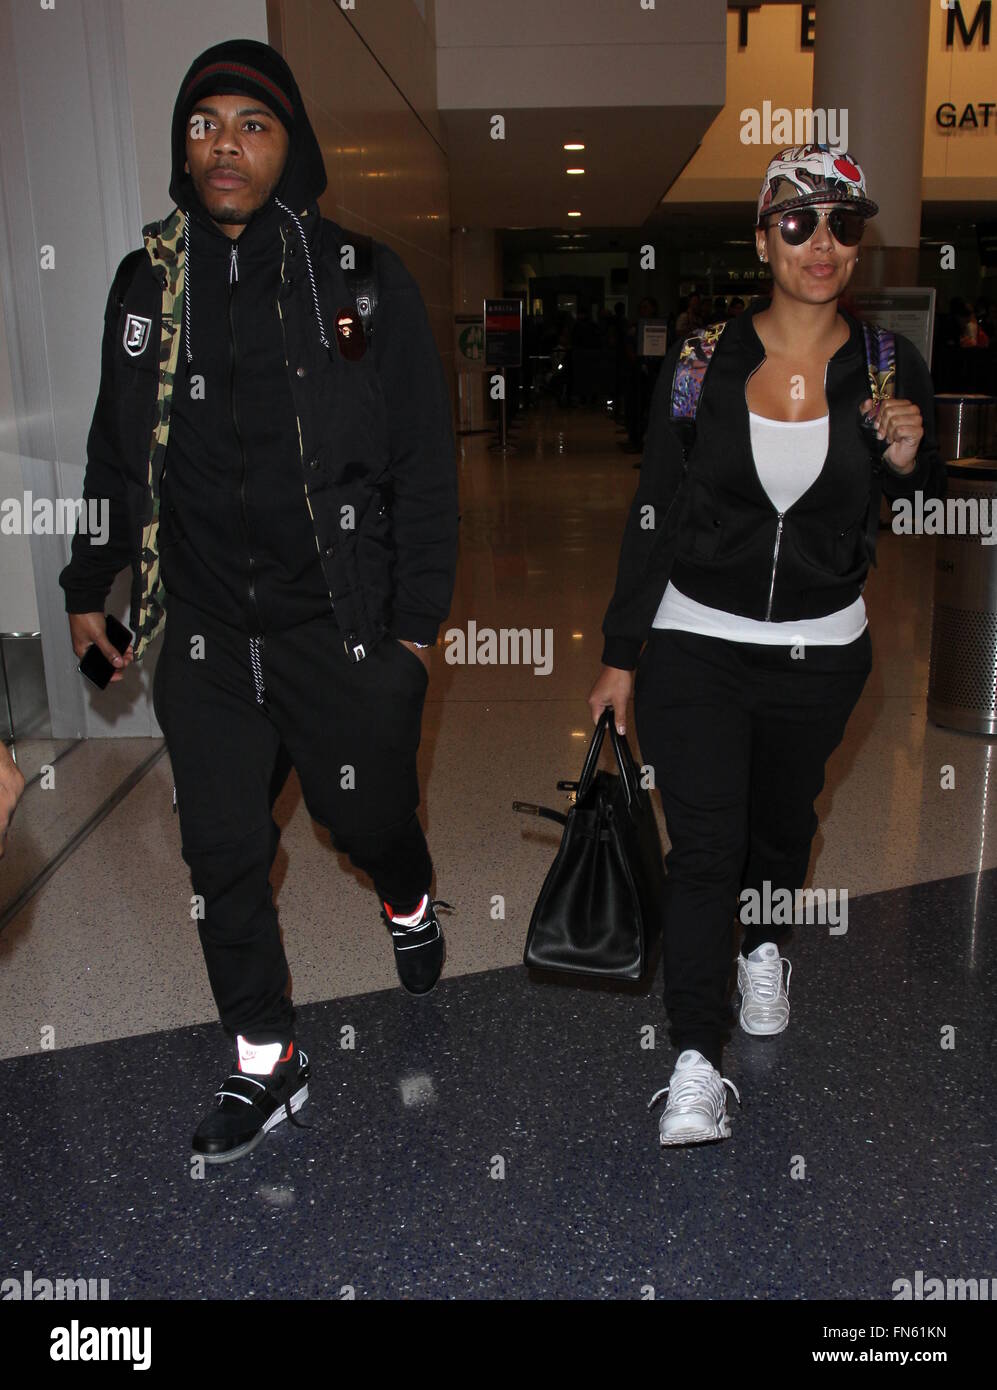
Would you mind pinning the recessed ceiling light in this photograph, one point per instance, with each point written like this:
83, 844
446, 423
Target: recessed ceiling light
573, 147
574, 214
574, 171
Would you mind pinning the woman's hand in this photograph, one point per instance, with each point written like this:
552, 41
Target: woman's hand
900, 422
612, 690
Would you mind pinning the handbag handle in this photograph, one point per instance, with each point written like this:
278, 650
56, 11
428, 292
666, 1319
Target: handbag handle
624, 757
530, 808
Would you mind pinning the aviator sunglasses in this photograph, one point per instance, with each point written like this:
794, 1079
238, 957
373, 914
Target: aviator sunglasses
798, 226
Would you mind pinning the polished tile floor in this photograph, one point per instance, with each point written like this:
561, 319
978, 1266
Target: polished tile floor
395, 1189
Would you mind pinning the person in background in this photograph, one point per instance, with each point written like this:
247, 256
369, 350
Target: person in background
984, 318
691, 316
639, 380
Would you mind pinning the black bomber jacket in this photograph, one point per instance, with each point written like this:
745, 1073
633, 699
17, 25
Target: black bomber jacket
716, 533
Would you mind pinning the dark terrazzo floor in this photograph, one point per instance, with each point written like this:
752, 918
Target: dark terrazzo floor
390, 1190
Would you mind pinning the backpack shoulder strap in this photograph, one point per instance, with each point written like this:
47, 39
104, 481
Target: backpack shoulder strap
362, 279
695, 356
881, 361
125, 274
881, 366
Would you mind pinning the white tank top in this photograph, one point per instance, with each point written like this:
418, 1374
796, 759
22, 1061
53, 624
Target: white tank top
789, 456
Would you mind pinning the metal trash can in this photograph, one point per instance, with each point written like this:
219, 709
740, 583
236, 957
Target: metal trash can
962, 677
965, 425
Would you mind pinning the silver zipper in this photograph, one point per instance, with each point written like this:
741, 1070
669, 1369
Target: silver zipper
781, 515
775, 561
233, 264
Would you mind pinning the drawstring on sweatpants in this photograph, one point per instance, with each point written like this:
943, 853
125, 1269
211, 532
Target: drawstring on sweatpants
256, 662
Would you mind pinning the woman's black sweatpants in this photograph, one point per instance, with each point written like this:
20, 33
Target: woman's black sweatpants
738, 735
351, 730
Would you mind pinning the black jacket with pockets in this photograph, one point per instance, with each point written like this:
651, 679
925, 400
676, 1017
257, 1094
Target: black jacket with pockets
715, 532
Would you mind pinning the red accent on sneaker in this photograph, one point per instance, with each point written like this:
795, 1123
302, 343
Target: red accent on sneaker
393, 912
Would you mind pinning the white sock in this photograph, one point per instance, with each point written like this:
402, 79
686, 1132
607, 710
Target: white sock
258, 1059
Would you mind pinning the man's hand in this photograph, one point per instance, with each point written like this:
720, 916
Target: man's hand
85, 629
612, 690
421, 652
900, 422
11, 787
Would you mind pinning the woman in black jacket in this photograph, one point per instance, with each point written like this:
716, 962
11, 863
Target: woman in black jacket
746, 597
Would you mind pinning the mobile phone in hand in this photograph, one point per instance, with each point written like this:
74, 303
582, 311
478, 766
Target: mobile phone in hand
95, 665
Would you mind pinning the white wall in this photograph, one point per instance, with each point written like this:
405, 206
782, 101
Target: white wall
162, 39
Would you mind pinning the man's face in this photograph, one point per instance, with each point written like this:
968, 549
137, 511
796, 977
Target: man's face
236, 151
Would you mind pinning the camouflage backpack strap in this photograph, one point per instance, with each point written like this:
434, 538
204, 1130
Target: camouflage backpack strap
362, 279
695, 356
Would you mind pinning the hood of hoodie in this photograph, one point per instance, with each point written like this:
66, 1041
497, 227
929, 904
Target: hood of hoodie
304, 179
296, 193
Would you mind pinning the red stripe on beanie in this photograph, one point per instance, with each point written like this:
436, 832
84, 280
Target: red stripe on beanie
241, 70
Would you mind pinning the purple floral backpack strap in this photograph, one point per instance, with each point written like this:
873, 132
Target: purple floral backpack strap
687, 382
881, 363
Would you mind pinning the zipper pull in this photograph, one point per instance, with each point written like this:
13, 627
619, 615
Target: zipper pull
233, 264
174, 800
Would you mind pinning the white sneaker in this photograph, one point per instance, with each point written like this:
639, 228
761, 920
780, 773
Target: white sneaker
764, 994
697, 1102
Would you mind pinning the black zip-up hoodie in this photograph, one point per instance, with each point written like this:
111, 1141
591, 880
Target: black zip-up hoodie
235, 535
719, 537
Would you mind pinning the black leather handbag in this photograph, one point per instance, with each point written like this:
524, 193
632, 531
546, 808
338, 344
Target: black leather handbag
599, 910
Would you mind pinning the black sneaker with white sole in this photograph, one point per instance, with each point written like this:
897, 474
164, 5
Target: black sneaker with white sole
419, 946
252, 1102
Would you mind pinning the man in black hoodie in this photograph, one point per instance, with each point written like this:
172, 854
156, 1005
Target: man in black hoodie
294, 507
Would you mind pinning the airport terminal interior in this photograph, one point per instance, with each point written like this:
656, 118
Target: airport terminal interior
492, 1139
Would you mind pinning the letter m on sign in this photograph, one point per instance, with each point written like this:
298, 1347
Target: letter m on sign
981, 20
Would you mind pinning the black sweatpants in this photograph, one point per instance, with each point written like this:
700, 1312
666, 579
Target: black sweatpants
350, 729
738, 735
